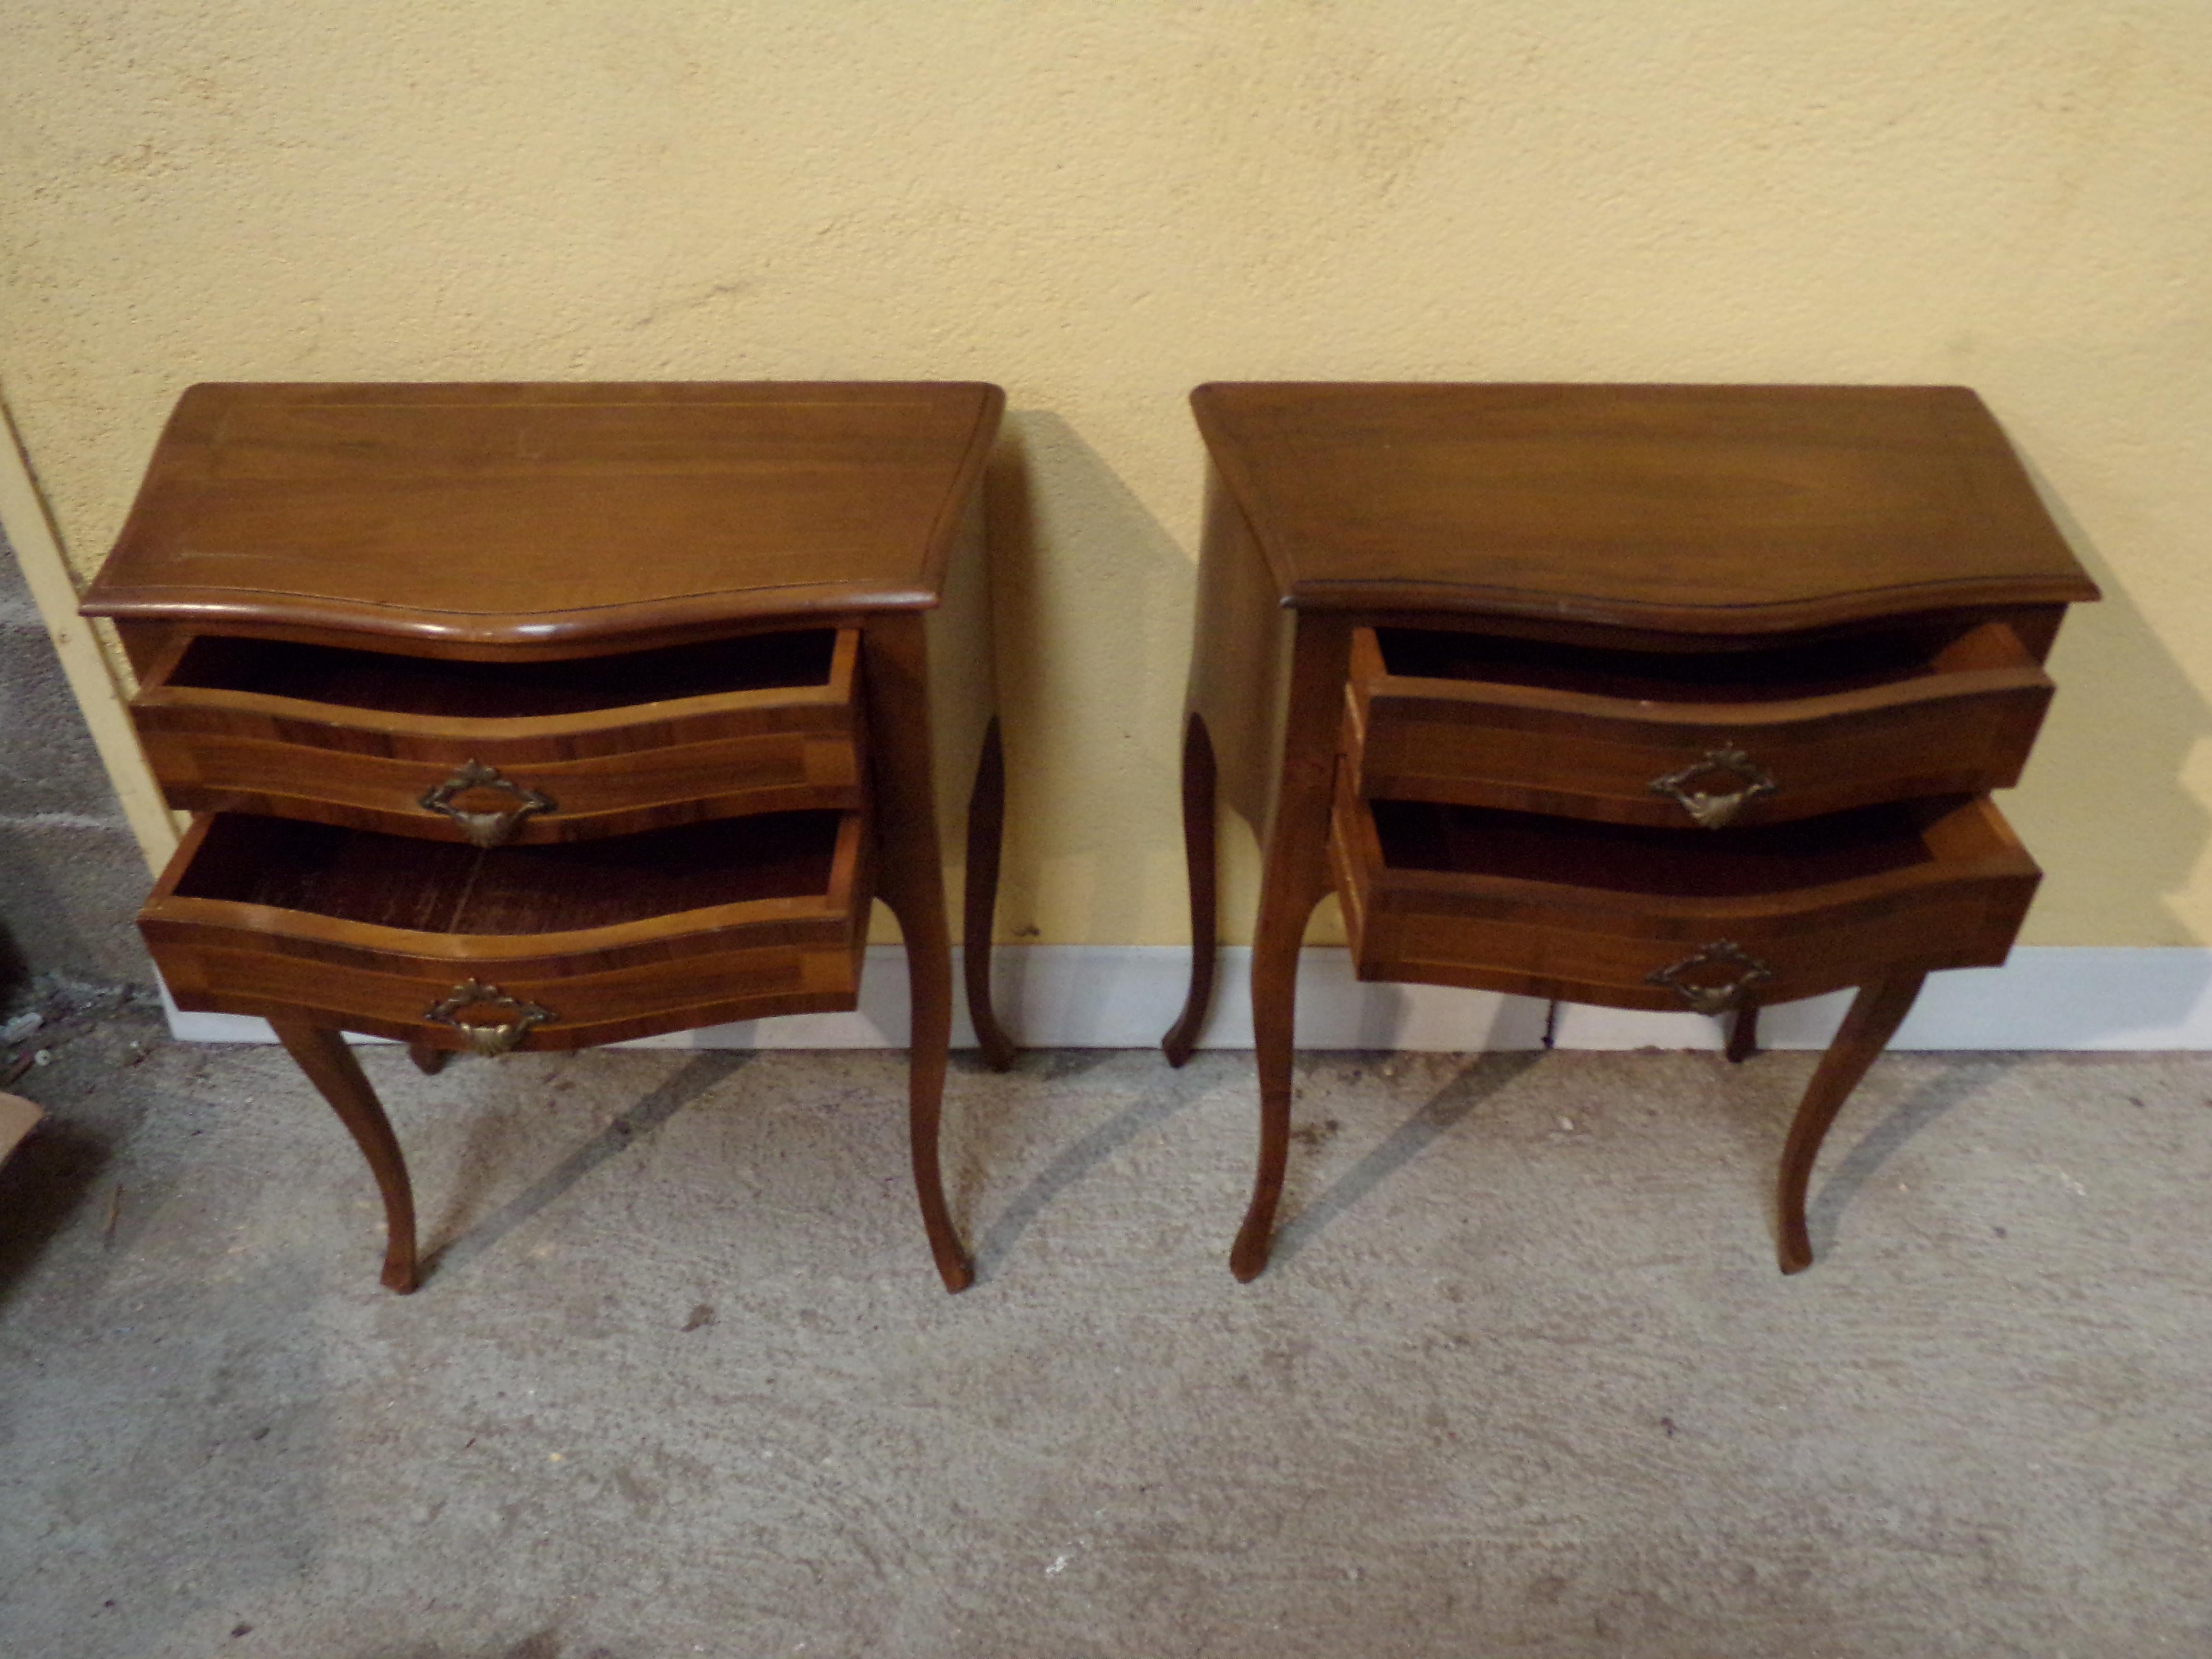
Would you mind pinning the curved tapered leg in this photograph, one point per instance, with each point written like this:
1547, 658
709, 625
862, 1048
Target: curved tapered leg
917, 898
331, 1066
1293, 880
1743, 1033
929, 967
910, 879
987, 823
429, 1059
1876, 1012
1275, 947
1199, 853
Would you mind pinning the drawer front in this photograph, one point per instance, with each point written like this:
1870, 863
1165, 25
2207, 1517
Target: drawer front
1961, 907
493, 993
534, 779
391, 995
1965, 727
488, 790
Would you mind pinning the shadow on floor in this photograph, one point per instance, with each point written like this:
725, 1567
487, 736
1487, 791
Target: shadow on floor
542, 1645
1074, 1162
1483, 1078
41, 1187
1823, 1214
702, 1073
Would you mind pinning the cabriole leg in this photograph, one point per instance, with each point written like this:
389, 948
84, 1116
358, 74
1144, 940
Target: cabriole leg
1743, 1033
987, 823
1876, 1012
1199, 853
331, 1066
1275, 947
929, 967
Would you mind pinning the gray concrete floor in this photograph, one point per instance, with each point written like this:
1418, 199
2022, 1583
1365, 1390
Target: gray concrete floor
1523, 1379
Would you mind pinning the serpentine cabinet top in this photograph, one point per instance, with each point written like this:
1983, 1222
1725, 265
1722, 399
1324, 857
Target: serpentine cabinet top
544, 514
1713, 509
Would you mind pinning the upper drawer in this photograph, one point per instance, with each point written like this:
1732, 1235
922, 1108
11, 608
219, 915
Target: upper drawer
515, 947
508, 750
1712, 738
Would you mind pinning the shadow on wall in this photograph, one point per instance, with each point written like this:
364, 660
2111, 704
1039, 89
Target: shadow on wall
2121, 735
1092, 721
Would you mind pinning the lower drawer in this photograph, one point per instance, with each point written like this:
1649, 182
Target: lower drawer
1637, 918
514, 947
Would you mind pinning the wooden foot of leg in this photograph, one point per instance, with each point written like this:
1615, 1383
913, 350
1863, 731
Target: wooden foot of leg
1743, 1034
1876, 1012
986, 821
1199, 854
428, 1058
1247, 1256
331, 1066
925, 1107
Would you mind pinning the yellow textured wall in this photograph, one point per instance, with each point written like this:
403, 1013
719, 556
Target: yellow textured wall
1100, 205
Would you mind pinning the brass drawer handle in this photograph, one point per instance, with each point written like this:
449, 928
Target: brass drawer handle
485, 828
488, 1038
1716, 812
1706, 998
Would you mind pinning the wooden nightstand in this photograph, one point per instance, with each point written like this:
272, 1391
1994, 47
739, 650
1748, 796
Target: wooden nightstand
1650, 697
537, 716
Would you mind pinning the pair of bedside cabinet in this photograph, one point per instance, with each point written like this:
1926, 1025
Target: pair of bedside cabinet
540, 716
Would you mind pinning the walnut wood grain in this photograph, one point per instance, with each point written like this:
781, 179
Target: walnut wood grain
1743, 1033
1200, 854
321, 1053
473, 515
776, 727
741, 920
651, 605
1876, 1014
913, 885
1494, 615
1587, 913
1706, 508
986, 817
447, 688
1587, 734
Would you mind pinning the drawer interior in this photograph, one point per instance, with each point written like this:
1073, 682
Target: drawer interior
396, 881
391, 683
1473, 840
1767, 672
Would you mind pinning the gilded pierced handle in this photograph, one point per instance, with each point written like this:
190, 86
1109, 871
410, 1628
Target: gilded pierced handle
487, 1037
1702, 995
1716, 812
485, 828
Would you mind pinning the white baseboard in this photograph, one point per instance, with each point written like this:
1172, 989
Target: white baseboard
1072, 996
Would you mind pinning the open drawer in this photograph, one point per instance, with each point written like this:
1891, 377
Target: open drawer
495, 751
1637, 918
1765, 734
515, 947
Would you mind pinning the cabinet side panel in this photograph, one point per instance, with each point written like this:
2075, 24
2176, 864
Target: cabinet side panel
1240, 663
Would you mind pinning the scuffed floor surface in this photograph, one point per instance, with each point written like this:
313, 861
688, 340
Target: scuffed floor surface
1522, 1379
